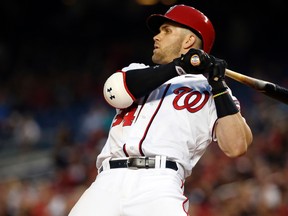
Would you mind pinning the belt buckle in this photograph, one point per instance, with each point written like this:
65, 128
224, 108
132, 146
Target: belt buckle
137, 162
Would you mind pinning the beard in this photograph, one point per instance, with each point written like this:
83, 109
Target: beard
158, 58
166, 55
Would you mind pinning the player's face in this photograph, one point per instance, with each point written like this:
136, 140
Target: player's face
168, 43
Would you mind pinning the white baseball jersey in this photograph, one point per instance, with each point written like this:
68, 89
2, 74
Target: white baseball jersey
175, 120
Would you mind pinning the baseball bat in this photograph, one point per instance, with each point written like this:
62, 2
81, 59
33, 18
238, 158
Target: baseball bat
270, 89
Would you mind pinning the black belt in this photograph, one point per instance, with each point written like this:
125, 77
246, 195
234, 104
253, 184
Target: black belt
138, 163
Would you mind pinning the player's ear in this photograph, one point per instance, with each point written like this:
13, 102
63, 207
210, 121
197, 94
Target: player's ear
189, 41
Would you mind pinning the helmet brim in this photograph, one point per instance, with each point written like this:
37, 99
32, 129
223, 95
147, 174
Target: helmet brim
155, 21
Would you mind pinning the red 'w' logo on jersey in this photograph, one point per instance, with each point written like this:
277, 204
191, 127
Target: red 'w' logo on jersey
187, 98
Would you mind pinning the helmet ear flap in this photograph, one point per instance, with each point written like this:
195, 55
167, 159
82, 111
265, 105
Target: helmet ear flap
189, 17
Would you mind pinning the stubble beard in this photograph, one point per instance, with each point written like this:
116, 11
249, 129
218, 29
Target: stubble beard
161, 57
157, 59
166, 56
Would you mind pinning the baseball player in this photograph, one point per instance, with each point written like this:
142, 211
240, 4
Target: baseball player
166, 116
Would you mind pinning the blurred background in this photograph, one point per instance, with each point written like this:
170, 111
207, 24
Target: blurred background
55, 56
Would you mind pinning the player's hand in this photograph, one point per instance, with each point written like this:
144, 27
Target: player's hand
216, 75
217, 71
195, 61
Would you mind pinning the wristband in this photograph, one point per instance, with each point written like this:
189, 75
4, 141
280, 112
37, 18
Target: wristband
224, 104
218, 87
221, 93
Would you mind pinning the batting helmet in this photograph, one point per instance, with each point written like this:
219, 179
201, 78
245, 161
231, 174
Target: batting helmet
191, 18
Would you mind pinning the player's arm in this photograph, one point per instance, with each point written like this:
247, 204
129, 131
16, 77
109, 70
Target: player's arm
232, 132
122, 88
233, 135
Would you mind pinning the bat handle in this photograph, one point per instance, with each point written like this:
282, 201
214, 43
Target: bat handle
270, 89
252, 82
249, 81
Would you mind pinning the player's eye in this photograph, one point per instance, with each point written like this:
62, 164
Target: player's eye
165, 29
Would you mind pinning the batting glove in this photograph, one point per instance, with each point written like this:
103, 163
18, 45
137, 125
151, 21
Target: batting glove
195, 61
216, 75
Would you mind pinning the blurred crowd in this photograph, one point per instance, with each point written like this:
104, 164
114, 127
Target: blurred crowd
252, 185
51, 101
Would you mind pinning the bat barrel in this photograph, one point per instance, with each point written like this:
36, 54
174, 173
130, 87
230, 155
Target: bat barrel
270, 89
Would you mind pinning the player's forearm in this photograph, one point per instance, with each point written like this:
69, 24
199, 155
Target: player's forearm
141, 82
233, 135
122, 88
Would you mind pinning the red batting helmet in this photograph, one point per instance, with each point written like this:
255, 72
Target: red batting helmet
189, 17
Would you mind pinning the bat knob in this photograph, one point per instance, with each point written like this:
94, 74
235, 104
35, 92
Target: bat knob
195, 60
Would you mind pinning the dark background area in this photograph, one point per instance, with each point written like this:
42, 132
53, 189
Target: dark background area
81, 34
57, 37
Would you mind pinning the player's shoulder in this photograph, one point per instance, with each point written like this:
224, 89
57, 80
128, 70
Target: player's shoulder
134, 66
